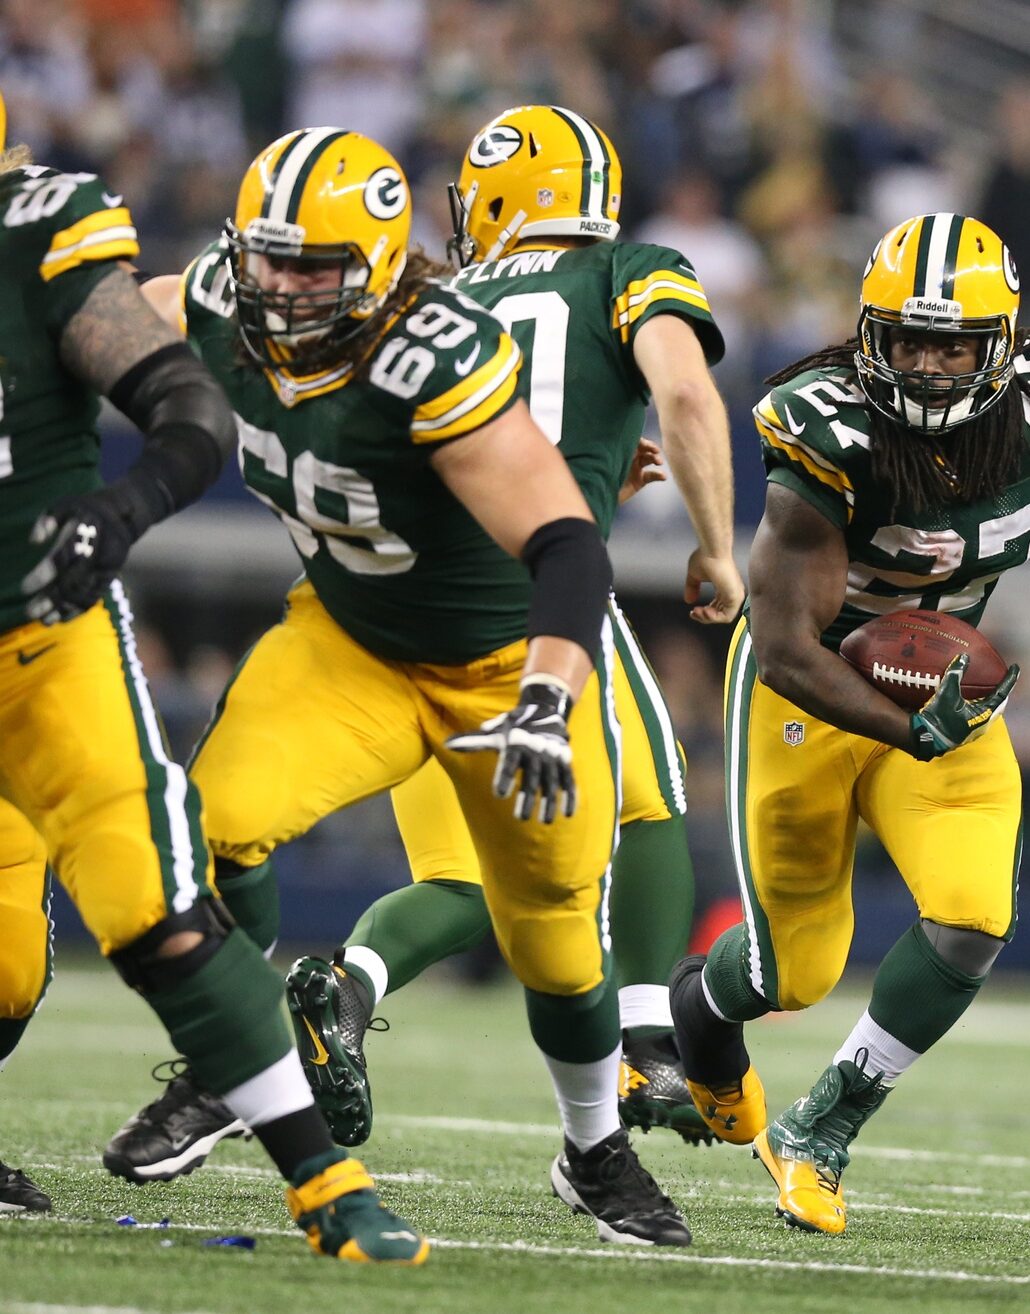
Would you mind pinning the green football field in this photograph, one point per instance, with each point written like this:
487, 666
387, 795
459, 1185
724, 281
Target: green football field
939, 1190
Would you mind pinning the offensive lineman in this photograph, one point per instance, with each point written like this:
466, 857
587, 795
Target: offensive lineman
602, 325
378, 415
84, 777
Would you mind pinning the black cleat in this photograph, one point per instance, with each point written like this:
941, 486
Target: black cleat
653, 1092
609, 1183
20, 1195
330, 1015
175, 1133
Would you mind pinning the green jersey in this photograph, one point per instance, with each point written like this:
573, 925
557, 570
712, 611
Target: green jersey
344, 461
815, 440
575, 312
59, 234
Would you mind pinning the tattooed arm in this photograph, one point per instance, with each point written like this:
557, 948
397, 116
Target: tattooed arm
119, 346
112, 331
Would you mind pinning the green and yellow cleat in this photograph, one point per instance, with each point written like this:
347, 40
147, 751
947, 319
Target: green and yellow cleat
330, 1015
735, 1113
333, 1200
805, 1150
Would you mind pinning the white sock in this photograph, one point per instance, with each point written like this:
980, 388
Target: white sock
644, 1006
588, 1097
372, 965
279, 1090
886, 1053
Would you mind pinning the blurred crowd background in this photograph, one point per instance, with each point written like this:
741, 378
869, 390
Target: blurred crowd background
772, 141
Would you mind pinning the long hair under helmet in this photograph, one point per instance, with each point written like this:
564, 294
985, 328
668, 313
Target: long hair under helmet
938, 273
534, 171
324, 196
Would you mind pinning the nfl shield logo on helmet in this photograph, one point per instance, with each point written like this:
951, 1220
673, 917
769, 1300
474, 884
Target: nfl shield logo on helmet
544, 196
793, 733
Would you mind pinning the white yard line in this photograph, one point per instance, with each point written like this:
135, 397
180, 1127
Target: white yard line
491, 1128
632, 1254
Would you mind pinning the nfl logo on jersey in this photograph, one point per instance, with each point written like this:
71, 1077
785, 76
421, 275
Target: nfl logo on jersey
793, 733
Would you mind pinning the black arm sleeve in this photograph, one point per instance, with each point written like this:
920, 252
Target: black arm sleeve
572, 578
189, 431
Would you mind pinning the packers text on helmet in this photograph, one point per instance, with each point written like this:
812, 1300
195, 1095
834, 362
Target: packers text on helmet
534, 171
938, 274
325, 199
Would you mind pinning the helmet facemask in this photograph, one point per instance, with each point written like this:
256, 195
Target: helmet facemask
461, 247
302, 331
932, 402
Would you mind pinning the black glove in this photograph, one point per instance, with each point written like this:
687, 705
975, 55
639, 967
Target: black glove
947, 720
88, 537
533, 738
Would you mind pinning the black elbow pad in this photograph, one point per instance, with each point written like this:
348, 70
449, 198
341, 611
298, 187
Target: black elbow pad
572, 579
185, 417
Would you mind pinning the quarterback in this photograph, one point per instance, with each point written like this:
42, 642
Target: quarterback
602, 326
453, 601
899, 476
84, 776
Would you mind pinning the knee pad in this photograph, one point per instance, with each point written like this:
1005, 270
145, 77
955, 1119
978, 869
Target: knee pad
555, 955
970, 952
140, 965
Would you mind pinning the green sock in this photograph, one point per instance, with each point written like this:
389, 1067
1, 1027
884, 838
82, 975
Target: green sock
728, 980
652, 900
576, 1028
421, 924
227, 1017
252, 896
917, 996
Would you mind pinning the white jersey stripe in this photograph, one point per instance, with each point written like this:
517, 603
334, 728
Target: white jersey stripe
469, 403
123, 233
656, 702
183, 857
297, 155
615, 730
737, 840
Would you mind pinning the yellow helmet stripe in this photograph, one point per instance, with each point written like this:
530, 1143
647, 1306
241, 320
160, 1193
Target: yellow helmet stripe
473, 401
105, 235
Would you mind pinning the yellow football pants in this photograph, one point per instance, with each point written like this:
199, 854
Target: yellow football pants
796, 789
24, 925
313, 722
85, 777
433, 828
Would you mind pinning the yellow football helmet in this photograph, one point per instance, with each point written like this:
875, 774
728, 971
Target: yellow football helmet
938, 273
3, 124
534, 171
319, 196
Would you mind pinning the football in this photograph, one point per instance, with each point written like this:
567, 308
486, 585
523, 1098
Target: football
905, 654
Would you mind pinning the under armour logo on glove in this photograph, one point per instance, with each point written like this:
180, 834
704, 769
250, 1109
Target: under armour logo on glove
85, 536
532, 743
88, 538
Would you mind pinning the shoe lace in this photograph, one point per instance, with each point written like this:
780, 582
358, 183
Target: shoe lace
837, 1126
623, 1167
179, 1090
